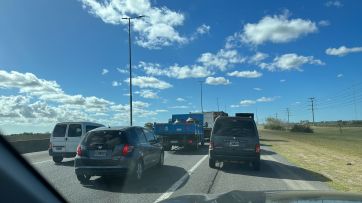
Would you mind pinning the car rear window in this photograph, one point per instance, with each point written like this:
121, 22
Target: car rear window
107, 138
234, 127
59, 130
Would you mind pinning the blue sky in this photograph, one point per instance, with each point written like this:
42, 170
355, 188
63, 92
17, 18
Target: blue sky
67, 60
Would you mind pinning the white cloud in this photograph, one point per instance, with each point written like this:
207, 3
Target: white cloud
258, 57
161, 110
247, 102
148, 94
257, 89
201, 30
176, 71
179, 107
116, 83
276, 29
122, 70
335, 3
43, 102
290, 61
234, 106
156, 30
343, 50
324, 23
217, 81
282, 80
340, 75
180, 99
223, 59
149, 82
104, 71
245, 74
266, 99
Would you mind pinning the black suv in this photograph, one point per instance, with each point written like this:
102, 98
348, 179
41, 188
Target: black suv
234, 139
126, 151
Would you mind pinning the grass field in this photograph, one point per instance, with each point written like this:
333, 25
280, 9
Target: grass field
24, 137
326, 151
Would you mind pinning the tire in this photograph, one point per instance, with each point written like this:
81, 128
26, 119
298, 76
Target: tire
162, 159
57, 159
202, 142
138, 171
83, 178
256, 165
212, 163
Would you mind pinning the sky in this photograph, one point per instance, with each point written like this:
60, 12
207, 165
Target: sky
68, 60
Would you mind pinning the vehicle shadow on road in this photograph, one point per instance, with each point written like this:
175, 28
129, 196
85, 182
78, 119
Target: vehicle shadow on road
155, 180
203, 150
273, 169
272, 140
69, 163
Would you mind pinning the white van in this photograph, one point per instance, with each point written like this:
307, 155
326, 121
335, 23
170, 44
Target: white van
66, 137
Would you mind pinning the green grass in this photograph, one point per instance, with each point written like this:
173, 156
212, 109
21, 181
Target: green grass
326, 151
27, 136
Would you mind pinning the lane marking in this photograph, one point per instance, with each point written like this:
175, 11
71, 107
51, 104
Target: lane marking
178, 183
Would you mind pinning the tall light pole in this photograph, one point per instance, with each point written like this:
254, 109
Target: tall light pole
202, 106
130, 66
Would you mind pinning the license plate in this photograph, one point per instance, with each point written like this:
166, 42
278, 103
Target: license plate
58, 148
100, 153
234, 144
173, 141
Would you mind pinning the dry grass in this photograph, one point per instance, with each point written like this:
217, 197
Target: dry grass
326, 151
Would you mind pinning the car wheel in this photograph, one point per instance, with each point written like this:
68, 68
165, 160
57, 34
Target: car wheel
162, 159
138, 173
57, 159
83, 178
202, 142
256, 165
212, 163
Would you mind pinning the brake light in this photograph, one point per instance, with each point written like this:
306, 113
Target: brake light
257, 148
126, 149
211, 146
190, 141
79, 150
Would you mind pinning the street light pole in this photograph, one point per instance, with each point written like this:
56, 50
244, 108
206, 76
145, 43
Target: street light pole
130, 67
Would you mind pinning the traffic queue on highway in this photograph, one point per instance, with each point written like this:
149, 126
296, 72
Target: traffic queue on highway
130, 150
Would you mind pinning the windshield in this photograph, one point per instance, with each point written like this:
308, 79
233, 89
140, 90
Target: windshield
146, 100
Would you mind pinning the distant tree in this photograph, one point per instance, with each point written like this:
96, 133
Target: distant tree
149, 125
274, 124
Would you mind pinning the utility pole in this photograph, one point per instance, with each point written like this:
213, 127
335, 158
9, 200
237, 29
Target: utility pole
130, 66
202, 106
288, 113
312, 105
256, 114
217, 102
276, 115
354, 102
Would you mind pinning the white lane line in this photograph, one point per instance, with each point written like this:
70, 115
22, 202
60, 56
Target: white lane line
177, 184
40, 162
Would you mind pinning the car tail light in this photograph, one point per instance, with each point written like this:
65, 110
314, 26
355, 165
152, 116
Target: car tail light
79, 151
190, 141
257, 148
127, 149
211, 146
